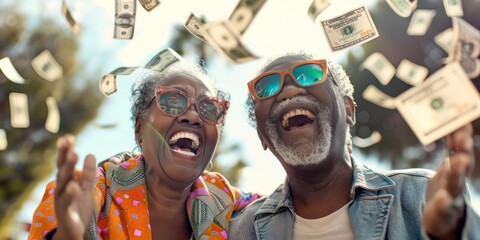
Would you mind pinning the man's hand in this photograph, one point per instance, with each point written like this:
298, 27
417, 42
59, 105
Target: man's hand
73, 199
444, 213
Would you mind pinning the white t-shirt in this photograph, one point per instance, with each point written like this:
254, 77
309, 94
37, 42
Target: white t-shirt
334, 226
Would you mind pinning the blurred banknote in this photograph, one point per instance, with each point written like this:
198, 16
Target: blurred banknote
446, 101
47, 67
466, 47
420, 22
226, 41
379, 65
124, 19
104, 125
350, 29
10, 72
195, 27
244, 13
403, 7
108, 83
374, 138
3, 139
444, 40
68, 15
411, 73
52, 124
317, 7
149, 4
163, 60
374, 95
19, 117
453, 7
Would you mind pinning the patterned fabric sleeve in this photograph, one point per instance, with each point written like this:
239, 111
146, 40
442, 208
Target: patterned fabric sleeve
44, 219
240, 198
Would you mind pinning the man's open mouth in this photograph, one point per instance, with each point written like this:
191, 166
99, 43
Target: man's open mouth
297, 118
185, 143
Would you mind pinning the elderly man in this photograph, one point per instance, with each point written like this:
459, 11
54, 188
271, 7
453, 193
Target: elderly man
303, 109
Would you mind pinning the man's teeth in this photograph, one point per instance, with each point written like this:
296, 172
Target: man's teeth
192, 136
296, 112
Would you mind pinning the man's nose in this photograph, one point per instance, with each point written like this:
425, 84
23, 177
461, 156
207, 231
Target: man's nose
290, 89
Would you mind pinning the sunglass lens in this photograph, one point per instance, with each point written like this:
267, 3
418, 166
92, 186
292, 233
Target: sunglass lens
308, 74
211, 110
173, 103
268, 86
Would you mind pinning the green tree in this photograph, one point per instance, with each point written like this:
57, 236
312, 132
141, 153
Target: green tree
399, 145
30, 155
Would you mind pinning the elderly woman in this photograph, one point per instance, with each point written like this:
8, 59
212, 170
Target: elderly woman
164, 193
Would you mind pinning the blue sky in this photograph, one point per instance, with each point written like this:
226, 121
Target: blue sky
281, 25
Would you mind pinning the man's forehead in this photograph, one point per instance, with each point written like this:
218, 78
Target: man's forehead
284, 62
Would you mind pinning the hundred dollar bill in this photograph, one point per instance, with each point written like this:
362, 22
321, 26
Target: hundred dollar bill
317, 7
352, 28
52, 124
149, 4
125, 11
411, 73
446, 101
374, 95
104, 125
444, 40
163, 60
380, 67
10, 72
108, 83
465, 47
374, 138
47, 67
420, 22
3, 139
68, 15
453, 7
226, 41
403, 7
19, 117
244, 13
195, 27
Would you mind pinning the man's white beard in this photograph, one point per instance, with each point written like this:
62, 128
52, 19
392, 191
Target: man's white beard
304, 151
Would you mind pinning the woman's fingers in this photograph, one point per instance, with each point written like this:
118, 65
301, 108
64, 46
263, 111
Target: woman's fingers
66, 172
89, 172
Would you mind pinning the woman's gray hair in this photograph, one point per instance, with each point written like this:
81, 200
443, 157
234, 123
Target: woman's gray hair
339, 76
143, 90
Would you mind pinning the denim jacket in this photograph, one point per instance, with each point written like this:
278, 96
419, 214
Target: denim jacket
383, 206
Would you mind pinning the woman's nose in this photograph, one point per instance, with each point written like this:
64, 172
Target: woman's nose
190, 116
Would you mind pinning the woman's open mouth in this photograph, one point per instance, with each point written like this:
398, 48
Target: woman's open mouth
186, 143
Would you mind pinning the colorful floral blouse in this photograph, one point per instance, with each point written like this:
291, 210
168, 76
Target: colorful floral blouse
122, 207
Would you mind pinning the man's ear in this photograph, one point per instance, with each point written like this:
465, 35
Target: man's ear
350, 110
139, 123
262, 140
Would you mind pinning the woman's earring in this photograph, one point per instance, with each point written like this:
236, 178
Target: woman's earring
136, 154
210, 166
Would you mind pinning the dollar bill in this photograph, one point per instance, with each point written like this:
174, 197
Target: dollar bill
163, 60
149, 4
10, 72
453, 7
317, 7
125, 11
19, 117
444, 40
3, 140
104, 125
244, 13
411, 73
108, 83
68, 15
375, 137
47, 67
376, 96
195, 27
226, 41
465, 47
420, 22
350, 29
446, 101
52, 124
403, 8
380, 67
